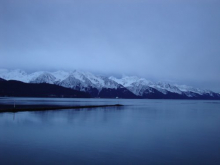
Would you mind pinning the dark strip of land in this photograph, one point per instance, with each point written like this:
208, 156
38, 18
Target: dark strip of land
55, 108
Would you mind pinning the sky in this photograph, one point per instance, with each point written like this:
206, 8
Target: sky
162, 40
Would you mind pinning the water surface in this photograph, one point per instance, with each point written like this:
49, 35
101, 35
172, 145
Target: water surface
141, 132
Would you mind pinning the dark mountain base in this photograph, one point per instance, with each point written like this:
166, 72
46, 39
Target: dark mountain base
116, 93
111, 93
14, 88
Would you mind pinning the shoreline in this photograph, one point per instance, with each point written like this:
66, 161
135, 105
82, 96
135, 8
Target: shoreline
50, 108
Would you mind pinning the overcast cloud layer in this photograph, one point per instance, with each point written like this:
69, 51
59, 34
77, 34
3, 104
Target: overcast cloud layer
175, 41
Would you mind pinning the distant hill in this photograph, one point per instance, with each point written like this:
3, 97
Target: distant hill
20, 89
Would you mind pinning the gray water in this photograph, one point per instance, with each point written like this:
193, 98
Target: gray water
141, 132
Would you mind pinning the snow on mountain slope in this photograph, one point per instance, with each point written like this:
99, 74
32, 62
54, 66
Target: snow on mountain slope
60, 75
139, 86
128, 81
21, 75
136, 85
74, 79
13, 74
108, 83
88, 79
18, 75
85, 81
166, 87
189, 91
44, 78
72, 82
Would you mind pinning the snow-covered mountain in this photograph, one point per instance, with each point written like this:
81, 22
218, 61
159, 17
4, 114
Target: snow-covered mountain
140, 85
136, 85
102, 86
143, 87
82, 81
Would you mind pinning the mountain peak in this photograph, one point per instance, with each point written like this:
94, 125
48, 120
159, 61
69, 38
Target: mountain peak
95, 84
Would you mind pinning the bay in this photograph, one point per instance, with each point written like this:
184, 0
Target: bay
141, 132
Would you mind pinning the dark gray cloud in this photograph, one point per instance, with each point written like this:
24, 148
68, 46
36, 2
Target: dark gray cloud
173, 40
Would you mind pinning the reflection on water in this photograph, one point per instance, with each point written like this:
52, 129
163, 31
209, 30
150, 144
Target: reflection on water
142, 132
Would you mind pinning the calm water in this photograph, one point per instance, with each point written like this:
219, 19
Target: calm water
142, 132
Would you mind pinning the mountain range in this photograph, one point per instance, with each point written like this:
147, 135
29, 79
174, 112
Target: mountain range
109, 87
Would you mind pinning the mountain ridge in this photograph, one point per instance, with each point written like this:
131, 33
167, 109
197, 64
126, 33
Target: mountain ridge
110, 87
